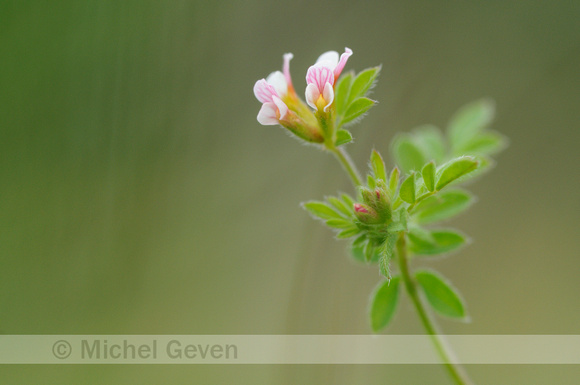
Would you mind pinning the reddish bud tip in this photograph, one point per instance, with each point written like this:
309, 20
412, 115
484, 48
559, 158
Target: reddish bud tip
360, 208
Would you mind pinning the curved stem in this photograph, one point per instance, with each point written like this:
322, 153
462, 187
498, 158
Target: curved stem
455, 370
347, 164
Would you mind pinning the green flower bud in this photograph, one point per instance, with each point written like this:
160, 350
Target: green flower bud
382, 203
378, 200
368, 196
366, 214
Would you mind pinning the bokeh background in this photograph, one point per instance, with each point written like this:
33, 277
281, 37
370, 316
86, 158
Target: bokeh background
138, 194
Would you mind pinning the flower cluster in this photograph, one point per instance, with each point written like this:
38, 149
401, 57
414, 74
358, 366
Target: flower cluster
281, 105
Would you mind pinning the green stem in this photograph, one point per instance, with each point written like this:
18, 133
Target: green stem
347, 164
456, 371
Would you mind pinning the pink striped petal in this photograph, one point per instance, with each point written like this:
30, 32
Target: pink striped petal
319, 75
264, 91
343, 59
267, 115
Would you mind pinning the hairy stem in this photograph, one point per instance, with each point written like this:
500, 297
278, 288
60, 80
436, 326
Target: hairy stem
455, 371
347, 164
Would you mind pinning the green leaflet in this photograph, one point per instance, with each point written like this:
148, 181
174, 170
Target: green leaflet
348, 233
399, 221
359, 241
322, 210
348, 201
407, 154
342, 92
371, 182
350, 95
412, 150
336, 215
420, 236
486, 143
357, 108
455, 169
340, 224
363, 82
435, 242
341, 206
468, 121
343, 137
440, 294
358, 252
383, 305
369, 251
431, 142
442, 206
428, 173
394, 182
378, 166
407, 190
467, 134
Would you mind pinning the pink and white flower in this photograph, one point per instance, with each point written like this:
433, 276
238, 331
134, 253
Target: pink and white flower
271, 91
273, 108
321, 78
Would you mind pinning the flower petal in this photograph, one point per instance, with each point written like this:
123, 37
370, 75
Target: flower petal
343, 59
328, 95
319, 75
329, 59
267, 115
282, 108
312, 95
264, 91
278, 81
286, 68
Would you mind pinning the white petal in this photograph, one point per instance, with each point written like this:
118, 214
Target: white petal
312, 95
278, 81
328, 95
267, 115
329, 59
282, 107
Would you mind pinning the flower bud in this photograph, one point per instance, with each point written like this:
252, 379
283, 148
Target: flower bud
378, 200
368, 196
366, 214
382, 203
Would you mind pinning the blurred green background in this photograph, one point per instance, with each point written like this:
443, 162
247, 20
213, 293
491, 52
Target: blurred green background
139, 195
